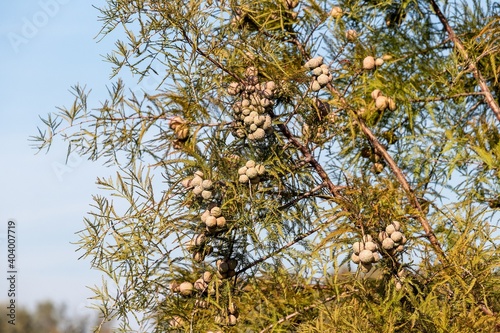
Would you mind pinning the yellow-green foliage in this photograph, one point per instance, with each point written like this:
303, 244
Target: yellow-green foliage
415, 173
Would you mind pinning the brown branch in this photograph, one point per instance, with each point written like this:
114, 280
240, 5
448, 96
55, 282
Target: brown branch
392, 164
309, 158
399, 175
406, 186
303, 196
208, 57
299, 45
472, 66
486, 310
471, 63
401, 178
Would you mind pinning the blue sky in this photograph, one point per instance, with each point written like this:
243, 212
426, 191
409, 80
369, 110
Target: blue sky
47, 46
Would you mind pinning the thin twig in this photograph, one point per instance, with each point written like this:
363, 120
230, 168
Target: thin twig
303, 196
442, 98
307, 308
286, 246
208, 57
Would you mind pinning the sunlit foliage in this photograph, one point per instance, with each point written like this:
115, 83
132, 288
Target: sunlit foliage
302, 166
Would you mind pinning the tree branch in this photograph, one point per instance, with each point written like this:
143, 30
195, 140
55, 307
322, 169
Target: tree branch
303, 196
400, 177
207, 56
443, 98
406, 186
286, 246
392, 164
307, 308
309, 158
471, 63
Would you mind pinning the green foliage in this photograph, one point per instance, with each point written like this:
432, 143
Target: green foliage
301, 162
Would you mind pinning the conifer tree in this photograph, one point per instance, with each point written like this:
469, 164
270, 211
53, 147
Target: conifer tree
303, 166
